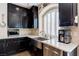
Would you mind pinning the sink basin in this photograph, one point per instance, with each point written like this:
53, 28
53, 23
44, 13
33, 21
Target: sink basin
41, 38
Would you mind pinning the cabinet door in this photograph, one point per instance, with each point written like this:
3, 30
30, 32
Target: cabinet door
25, 18
50, 51
22, 43
14, 21
30, 21
75, 13
10, 46
67, 13
17, 40
35, 16
2, 48
14, 16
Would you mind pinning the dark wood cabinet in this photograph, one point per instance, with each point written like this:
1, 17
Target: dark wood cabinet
67, 13
23, 43
12, 46
25, 18
35, 16
19, 17
30, 18
2, 47
14, 16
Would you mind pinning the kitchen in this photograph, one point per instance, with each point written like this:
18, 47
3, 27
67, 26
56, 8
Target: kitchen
28, 29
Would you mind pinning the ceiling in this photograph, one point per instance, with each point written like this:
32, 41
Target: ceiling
26, 5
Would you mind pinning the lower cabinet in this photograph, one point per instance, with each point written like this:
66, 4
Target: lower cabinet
23, 44
12, 46
50, 51
15, 45
35, 47
2, 48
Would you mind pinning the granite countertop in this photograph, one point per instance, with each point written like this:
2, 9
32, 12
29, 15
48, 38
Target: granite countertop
18, 36
62, 46
52, 42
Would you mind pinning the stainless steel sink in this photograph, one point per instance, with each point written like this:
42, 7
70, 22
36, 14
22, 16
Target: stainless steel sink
41, 38
38, 44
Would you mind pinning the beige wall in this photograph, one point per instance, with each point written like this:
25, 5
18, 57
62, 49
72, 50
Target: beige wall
3, 10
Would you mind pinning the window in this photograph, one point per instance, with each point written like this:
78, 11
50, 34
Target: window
51, 22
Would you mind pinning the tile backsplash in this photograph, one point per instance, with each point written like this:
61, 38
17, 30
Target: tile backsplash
75, 36
28, 31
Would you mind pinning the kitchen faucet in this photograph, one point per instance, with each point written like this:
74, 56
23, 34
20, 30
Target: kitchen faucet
44, 34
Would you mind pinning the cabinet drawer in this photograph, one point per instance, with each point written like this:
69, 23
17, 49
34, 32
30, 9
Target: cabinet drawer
54, 50
50, 51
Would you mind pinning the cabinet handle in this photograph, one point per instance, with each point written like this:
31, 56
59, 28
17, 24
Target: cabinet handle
55, 52
46, 48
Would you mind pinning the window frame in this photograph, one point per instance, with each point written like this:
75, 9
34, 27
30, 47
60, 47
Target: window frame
56, 21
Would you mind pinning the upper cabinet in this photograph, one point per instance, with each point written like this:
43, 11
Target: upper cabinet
19, 17
16, 16
67, 13
25, 18
35, 16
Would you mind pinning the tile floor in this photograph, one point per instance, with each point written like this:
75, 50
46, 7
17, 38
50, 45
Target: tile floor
24, 53
28, 53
